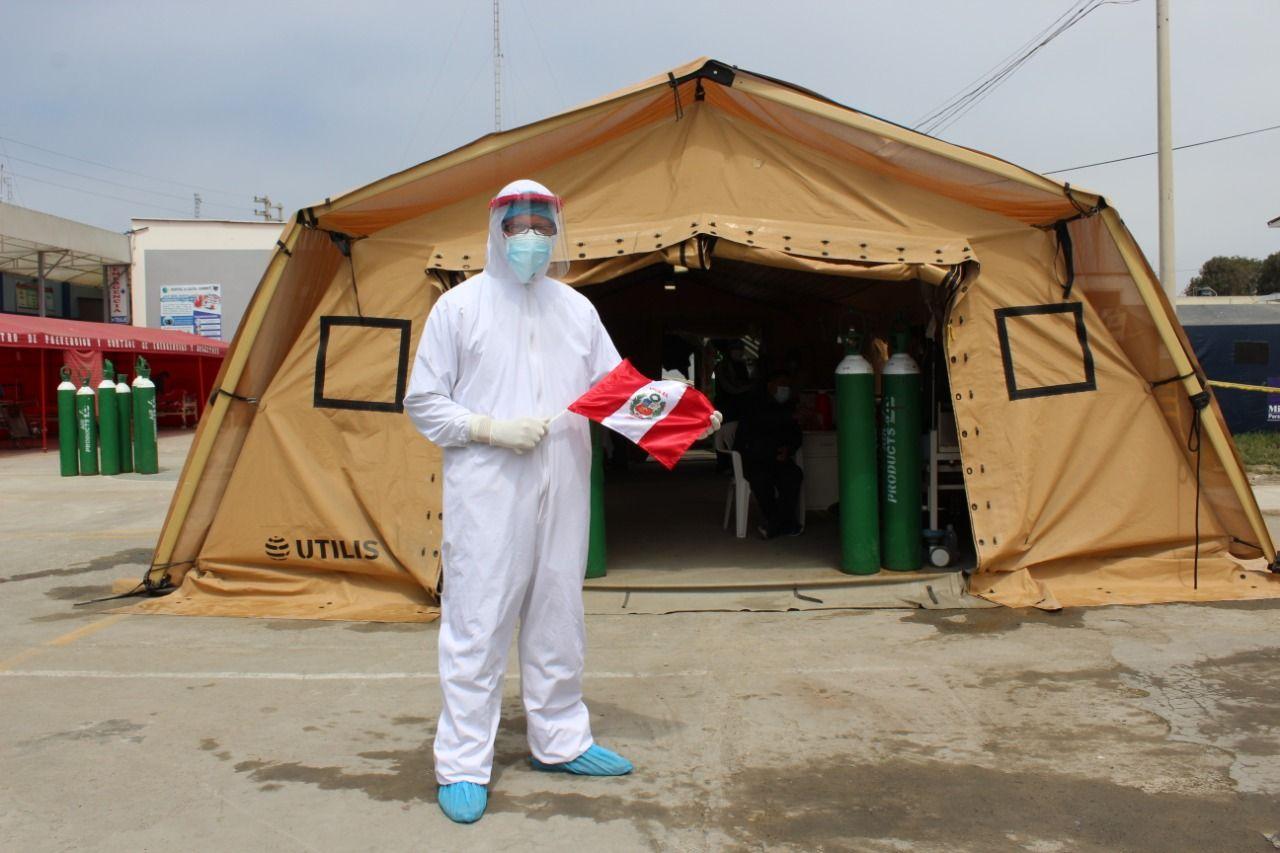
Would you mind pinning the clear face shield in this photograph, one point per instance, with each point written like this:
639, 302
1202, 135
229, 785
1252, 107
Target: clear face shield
528, 228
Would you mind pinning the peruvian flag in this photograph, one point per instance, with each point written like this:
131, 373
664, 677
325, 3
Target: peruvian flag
663, 417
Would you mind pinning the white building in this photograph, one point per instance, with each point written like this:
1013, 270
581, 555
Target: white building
170, 253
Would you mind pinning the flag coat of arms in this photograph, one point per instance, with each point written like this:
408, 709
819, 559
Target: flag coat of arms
664, 417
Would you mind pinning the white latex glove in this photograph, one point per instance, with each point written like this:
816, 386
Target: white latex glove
716, 420
520, 434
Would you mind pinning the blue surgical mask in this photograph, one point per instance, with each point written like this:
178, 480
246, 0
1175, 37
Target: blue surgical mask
528, 254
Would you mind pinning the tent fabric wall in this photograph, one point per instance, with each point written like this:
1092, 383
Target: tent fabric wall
340, 478
270, 328
1105, 473
1080, 494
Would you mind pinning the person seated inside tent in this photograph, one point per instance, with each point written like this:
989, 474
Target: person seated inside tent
734, 389
768, 438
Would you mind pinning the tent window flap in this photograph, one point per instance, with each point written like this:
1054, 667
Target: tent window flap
362, 363
1045, 350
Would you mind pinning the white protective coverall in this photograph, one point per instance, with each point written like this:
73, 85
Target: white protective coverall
515, 525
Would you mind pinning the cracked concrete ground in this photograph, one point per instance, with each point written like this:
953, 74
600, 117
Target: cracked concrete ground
1123, 728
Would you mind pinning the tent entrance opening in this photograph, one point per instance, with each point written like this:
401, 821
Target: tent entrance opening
763, 343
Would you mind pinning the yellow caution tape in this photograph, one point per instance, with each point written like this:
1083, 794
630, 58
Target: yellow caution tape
1262, 388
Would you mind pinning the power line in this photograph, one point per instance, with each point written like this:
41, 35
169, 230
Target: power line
542, 53
146, 204
124, 171
4, 149
993, 69
951, 112
984, 85
1175, 148
516, 91
435, 82
1073, 16
954, 114
239, 208
465, 98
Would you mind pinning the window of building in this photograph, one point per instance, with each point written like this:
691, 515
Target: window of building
1253, 352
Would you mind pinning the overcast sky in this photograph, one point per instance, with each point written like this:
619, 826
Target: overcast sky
303, 100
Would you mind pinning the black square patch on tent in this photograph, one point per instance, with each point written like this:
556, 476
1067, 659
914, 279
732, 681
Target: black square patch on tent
1045, 350
362, 363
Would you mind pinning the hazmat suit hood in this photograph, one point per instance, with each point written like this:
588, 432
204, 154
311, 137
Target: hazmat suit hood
525, 196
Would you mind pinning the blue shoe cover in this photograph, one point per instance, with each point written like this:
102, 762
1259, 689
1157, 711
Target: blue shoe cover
596, 761
463, 802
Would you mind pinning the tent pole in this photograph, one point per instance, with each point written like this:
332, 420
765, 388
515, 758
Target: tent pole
207, 431
1151, 292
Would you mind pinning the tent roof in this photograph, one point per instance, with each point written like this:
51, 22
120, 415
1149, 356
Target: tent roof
75, 252
883, 148
49, 333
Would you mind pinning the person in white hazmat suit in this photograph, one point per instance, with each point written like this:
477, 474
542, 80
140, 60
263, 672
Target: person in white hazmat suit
501, 355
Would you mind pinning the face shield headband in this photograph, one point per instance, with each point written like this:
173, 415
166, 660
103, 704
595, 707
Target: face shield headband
529, 230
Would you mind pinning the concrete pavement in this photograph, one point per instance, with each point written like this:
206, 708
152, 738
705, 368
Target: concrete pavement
1148, 728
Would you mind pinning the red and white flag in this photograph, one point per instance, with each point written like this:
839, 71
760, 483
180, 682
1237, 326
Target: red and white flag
663, 417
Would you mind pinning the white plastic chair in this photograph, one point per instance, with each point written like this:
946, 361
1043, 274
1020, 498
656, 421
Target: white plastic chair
737, 502
739, 496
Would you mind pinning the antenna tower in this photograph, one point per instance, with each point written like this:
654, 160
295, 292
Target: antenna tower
497, 65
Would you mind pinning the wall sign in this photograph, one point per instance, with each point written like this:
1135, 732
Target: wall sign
192, 308
116, 278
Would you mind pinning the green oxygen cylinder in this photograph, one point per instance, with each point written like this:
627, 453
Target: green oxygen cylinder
108, 420
146, 456
124, 408
67, 425
900, 532
86, 430
856, 445
595, 540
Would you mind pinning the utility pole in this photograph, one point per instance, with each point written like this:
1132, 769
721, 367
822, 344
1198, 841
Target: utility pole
1164, 147
497, 65
270, 212
195, 199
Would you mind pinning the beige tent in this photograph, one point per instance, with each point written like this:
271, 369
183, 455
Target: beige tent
308, 494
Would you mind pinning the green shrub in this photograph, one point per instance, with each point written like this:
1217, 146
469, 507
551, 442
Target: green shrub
1260, 449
